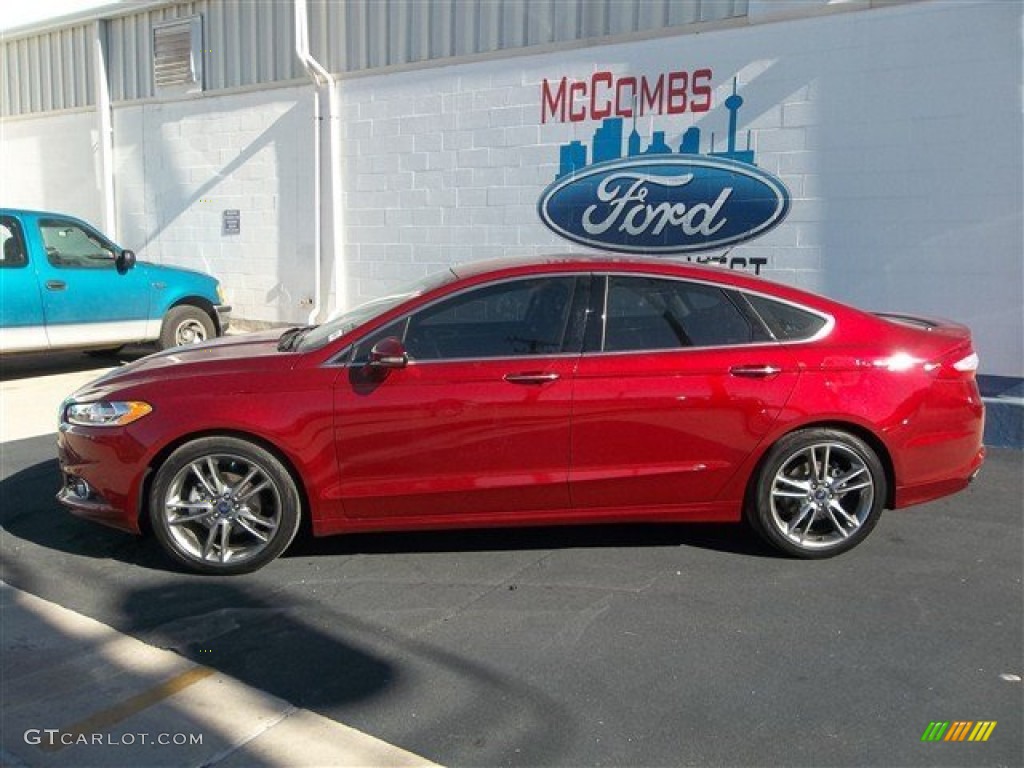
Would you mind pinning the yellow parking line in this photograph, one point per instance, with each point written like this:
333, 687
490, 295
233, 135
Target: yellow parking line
134, 705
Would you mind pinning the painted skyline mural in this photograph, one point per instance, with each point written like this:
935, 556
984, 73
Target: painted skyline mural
607, 143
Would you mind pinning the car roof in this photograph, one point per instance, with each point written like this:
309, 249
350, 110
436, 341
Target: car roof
735, 278
568, 261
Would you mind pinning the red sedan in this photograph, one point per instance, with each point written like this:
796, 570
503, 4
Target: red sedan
565, 390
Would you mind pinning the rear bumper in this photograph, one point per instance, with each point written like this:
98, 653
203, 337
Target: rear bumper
938, 447
956, 481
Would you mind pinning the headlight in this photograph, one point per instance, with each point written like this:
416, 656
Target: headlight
105, 413
220, 294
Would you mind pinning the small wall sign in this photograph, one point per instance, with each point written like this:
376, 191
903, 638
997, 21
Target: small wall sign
231, 222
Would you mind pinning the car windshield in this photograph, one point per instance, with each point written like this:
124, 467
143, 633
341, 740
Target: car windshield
313, 338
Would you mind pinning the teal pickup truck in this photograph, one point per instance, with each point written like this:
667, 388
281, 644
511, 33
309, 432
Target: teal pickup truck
63, 285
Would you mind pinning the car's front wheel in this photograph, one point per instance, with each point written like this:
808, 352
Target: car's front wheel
223, 505
819, 493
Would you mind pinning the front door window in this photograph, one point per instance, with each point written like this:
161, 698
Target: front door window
69, 245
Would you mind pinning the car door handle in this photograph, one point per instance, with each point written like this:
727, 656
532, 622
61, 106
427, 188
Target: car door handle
531, 378
755, 371
56, 285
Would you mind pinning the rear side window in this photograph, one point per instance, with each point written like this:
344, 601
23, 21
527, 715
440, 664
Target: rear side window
786, 322
657, 313
12, 244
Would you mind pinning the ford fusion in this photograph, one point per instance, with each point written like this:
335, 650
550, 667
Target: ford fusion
514, 393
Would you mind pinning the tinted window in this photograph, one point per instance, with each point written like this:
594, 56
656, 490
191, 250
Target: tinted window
12, 245
511, 319
70, 245
654, 313
786, 322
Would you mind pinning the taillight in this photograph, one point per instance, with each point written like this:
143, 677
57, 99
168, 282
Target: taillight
962, 363
967, 364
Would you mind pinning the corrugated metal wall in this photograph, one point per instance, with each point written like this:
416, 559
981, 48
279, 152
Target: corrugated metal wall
356, 35
244, 43
251, 42
48, 71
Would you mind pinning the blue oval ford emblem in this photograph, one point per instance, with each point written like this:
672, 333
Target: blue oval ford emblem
666, 204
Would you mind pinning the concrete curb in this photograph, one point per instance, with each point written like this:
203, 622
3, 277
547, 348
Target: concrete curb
78, 693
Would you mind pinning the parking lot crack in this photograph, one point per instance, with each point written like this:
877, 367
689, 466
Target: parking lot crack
507, 584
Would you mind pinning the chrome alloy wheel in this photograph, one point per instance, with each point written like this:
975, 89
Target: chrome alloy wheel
821, 495
189, 331
222, 509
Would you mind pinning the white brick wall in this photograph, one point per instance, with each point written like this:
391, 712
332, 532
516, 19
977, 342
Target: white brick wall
898, 132
52, 163
180, 164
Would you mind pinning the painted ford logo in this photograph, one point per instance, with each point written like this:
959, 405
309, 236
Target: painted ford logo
664, 204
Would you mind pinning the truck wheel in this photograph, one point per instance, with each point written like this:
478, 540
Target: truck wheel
185, 325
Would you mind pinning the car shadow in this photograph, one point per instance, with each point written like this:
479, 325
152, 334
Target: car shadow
32, 364
728, 538
30, 512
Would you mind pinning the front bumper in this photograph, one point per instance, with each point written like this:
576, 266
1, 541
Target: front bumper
223, 317
102, 474
94, 508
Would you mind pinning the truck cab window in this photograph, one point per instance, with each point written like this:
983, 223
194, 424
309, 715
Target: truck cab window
69, 245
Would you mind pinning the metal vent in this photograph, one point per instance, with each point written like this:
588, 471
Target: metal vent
177, 55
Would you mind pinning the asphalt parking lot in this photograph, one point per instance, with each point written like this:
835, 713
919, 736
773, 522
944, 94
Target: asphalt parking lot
622, 645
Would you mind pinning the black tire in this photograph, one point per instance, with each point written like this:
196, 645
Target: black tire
221, 505
819, 492
186, 324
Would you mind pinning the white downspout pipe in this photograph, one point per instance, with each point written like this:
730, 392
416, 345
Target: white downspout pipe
309, 64
105, 129
320, 77
337, 211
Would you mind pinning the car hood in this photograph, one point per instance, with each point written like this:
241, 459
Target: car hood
250, 353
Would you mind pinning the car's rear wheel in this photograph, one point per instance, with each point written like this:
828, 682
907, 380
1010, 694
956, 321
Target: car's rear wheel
224, 506
819, 493
184, 325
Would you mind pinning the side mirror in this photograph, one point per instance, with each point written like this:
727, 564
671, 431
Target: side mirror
125, 260
389, 353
